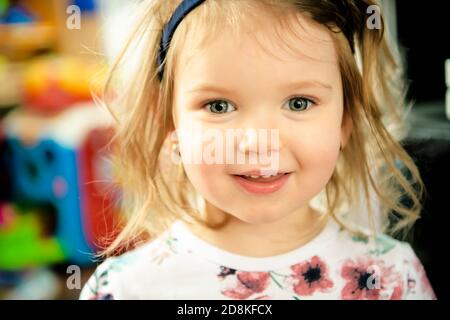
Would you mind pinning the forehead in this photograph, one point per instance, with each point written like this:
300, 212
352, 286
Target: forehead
264, 44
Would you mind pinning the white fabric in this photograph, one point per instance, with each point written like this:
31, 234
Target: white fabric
334, 265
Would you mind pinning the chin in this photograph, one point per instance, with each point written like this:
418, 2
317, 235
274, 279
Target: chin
259, 216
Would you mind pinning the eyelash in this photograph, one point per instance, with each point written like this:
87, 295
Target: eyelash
311, 103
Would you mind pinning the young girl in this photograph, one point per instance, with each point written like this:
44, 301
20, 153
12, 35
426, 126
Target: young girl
320, 81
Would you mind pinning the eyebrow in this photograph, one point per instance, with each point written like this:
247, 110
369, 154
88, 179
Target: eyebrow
307, 84
290, 85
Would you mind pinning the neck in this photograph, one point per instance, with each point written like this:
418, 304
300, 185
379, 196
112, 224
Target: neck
261, 240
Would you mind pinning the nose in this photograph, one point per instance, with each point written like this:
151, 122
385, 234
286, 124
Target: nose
259, 140
260, 147
259, 132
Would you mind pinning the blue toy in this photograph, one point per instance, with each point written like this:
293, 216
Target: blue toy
52, 163
86, 6
15, 14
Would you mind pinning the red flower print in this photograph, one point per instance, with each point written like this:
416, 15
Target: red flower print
311, 276
246, 283
371, 280
224, 272
397, 294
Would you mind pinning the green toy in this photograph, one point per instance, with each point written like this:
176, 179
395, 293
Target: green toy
22, 243
4, 4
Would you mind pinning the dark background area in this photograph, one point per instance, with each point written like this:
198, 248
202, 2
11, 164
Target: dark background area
424, 34
424, 37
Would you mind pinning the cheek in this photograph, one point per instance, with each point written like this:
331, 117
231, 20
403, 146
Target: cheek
320, 158
316, 151
206, 179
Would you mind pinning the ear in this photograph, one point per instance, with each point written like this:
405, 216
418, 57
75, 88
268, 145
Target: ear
346, 129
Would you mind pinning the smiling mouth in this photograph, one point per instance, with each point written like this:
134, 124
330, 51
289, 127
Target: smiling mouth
260, 184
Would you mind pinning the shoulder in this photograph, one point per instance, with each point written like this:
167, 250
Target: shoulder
119, 277
361, 241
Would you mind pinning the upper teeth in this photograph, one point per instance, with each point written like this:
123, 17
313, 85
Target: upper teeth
263, 176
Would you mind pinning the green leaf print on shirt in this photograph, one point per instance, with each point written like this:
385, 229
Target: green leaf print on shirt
383, 244
361, 238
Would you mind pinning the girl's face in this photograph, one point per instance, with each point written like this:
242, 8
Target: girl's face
256, 82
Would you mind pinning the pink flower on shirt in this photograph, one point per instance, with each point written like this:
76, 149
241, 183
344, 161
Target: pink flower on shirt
370, 279
311, 276
245, 284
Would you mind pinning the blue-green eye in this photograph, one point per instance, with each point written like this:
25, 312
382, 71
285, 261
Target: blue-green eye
219, 106
300, 104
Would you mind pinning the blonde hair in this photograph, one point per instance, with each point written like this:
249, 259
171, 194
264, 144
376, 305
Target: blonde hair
156, 192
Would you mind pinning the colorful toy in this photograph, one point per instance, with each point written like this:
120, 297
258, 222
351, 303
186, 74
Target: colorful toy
17, 14
57, 161
54, 83
86, 6
23, 240
4, 4
27, 27
11, 84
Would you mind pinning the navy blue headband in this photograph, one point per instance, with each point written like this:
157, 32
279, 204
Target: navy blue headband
181, 11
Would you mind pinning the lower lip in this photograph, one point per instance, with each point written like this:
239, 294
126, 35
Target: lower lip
262, 187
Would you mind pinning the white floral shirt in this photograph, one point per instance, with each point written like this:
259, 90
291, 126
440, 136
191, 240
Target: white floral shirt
334, 265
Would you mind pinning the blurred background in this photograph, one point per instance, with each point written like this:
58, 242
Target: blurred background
57, 205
